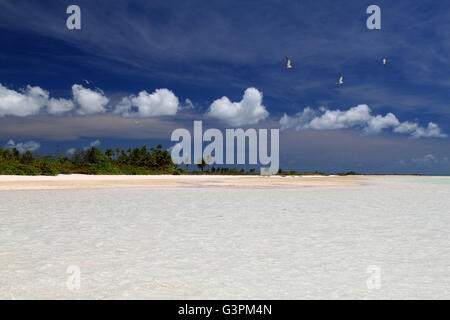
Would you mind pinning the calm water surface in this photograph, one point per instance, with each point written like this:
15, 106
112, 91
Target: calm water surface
324, 242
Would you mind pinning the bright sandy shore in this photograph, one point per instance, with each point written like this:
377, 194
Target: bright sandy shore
78, 181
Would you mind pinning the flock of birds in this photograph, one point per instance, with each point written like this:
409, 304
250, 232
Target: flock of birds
341, 77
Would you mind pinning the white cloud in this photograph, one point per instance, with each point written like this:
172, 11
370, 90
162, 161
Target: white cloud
430, 159
89, 101
426, 159
95, 143
325, 119
299, 121
59, 106
162, 102
31, 100
247, 111
406, 127
378, 123
341, 119
23, 147
25, 103
432, 131
358, 117
188, 104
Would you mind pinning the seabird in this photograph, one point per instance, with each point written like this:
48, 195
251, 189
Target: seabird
384, 62
288, 63
87, 82
341, 79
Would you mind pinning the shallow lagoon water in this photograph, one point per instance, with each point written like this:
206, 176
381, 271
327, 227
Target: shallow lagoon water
226, 243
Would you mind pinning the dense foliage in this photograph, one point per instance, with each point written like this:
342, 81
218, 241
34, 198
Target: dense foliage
90, 161
112, 161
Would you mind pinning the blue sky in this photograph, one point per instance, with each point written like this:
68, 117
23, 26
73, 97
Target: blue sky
205, 50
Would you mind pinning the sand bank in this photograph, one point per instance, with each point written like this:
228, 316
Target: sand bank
78, 181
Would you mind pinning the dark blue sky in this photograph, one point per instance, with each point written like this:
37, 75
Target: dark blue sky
204, 50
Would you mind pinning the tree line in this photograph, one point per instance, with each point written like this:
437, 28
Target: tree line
137, 161
89, 161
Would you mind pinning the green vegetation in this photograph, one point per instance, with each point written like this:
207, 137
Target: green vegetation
136, 161
13, 163
295, 173
90, 161
93, 161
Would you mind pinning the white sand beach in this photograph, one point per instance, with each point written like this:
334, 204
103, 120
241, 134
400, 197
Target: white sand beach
203, 237
79, 181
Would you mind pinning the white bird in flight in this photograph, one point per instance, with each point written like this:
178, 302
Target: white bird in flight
341, 79
87, 82
384, 62
288, 63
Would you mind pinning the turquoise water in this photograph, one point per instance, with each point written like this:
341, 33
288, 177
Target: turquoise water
426, 180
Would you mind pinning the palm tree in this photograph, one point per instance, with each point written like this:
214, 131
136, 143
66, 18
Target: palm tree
109, 153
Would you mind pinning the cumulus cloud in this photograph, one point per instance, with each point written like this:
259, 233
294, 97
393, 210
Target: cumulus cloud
23, 147
406, 127
59, 106
327, 119
431, 131
379, 123
27, 102
30, 101
89, 101
359, 117
247, 111
162, 102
